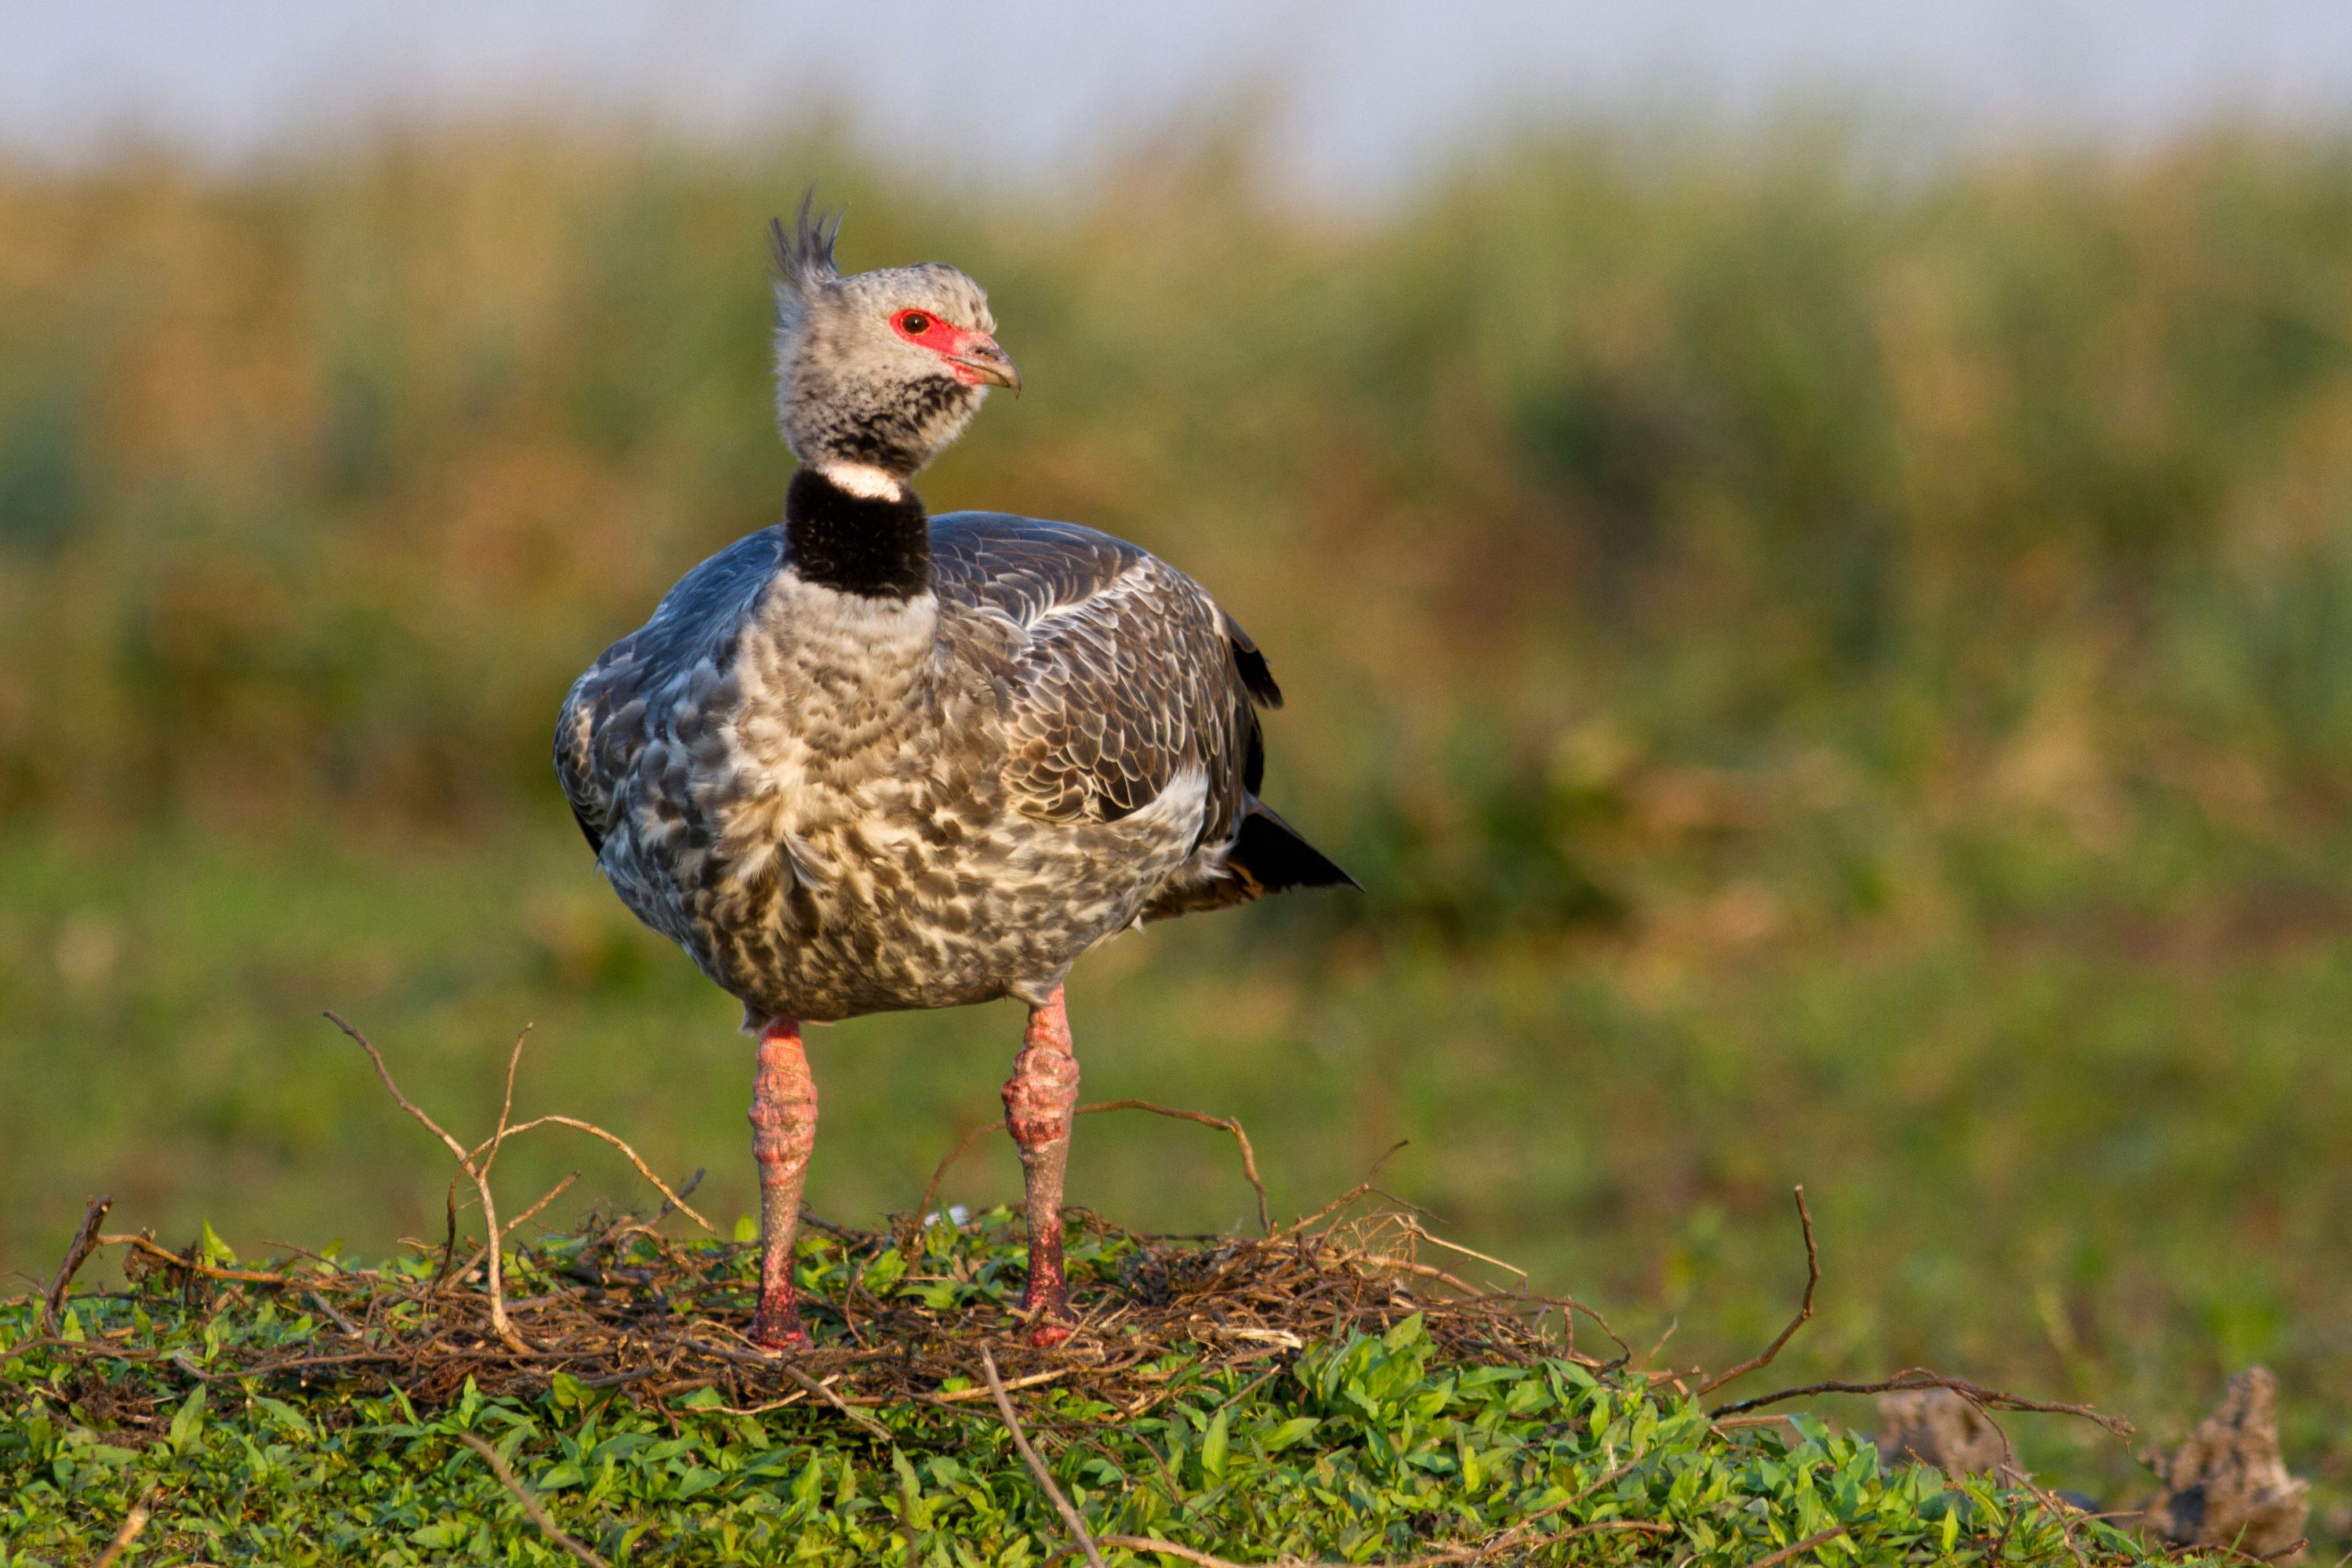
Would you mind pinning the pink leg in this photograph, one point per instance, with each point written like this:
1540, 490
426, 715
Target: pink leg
783, 1131
1038, 1102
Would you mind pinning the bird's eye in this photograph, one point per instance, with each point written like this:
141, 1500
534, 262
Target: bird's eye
914, 323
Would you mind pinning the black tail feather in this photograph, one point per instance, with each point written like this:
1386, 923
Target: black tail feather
1270, 855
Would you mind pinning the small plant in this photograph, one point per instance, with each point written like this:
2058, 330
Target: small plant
1318, 1394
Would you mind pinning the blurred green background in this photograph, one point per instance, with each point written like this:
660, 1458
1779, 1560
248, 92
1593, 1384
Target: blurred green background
1828, 673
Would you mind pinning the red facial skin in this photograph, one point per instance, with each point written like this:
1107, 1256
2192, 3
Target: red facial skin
945, 339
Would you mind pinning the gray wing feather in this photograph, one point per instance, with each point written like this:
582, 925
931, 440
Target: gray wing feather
1126, 673
604, 722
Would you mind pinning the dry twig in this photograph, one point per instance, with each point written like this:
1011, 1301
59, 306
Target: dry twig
671, 1197
328, 1309
530, 1506
1416, 1230
1798, 1548
553, 1194
1036, 1466
506, 1102
85, 1241
1222, 1123
1304, 1223
132, 1523
1152, 1544
830, 1397
1919, 1377
1478, 1552
499, 1321
476, 1163
1804, 1311
187, 1262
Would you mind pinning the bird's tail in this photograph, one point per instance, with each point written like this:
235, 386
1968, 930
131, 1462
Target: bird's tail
1267, 856
1271, 855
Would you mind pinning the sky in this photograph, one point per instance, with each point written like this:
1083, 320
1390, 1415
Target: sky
1353, 98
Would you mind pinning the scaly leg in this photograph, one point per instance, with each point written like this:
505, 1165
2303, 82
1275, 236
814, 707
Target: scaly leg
783, 1131
1038, 1102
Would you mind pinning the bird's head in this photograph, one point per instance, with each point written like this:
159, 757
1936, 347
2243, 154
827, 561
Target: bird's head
876, 372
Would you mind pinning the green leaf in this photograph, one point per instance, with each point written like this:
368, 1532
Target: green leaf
809, 1485
1296, 1430
746, 1229
187, 1421
558, 1476
1425, 1442
287, 1417
1212, 1447
1407, 1332
214, 1249
916, 1513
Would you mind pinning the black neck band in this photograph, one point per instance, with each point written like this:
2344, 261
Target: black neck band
855, 545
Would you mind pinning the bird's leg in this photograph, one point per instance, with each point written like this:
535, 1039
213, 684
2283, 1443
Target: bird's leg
783, 1131
1038, 1101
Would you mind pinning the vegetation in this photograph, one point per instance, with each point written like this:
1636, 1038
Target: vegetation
1379, 1446
1828, 674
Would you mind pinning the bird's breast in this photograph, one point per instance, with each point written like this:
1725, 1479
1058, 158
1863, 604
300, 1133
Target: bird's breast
858, 751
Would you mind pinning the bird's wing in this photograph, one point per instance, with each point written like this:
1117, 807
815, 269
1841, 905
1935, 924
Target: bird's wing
1125, 672
605, 722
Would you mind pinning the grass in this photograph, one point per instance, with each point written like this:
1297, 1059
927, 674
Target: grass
2037, 1159
1385, 1446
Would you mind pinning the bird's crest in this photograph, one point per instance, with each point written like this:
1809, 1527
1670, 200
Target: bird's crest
803, 258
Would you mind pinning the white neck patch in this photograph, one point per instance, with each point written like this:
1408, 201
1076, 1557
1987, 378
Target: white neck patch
864, 480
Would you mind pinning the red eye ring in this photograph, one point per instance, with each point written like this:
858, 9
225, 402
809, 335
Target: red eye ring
914, 323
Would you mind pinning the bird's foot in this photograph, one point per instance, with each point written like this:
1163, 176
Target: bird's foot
1047, 1312
776, 1326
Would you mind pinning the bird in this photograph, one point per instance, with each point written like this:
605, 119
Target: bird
869, 760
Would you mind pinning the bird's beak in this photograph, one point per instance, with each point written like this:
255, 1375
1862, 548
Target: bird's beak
988, 364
